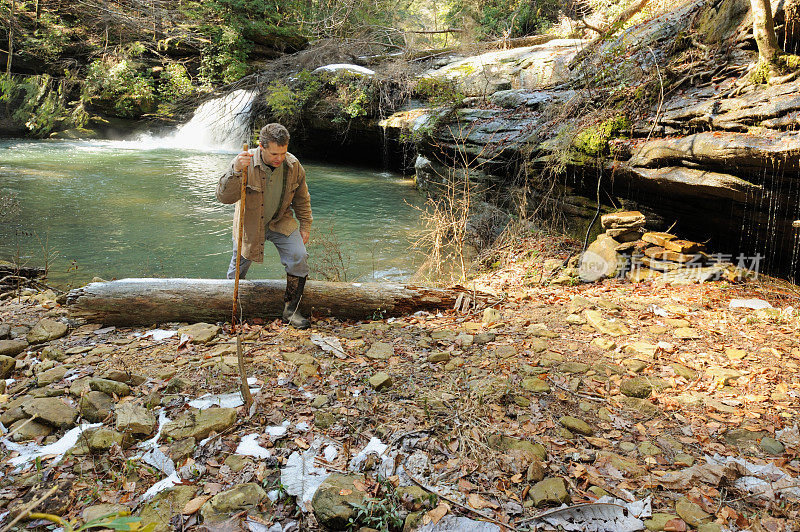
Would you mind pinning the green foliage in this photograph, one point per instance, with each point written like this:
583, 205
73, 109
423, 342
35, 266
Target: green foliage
174, 83
594, 140
438, 91
356, 94
225, 57
121, 521
47, 41
505, 18
118, 83
287, 102
40, 103
380, 513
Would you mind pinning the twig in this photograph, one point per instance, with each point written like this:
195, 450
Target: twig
579, 394
29, 507
451, 501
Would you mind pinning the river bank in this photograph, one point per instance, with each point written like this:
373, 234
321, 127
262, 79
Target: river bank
549, 395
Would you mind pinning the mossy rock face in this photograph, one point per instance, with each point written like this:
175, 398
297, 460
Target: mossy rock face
719, 22
594, 140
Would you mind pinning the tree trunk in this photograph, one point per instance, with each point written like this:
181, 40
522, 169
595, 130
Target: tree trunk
10, 37
764, 30
147, 301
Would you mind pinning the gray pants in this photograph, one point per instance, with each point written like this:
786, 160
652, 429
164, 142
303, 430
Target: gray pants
291, 250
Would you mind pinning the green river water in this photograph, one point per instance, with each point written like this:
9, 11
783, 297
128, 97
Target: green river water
119, 209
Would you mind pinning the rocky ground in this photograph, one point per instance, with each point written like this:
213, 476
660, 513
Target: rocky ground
659, 405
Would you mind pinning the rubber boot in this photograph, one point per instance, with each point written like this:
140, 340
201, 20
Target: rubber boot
294, 293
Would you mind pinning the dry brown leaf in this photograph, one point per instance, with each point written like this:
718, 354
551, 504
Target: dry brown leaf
360, 486
675, 525
345, 492
437, 513
195, 504
301, 443
479, 503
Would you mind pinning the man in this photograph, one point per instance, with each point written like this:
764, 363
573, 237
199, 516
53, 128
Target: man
276, 187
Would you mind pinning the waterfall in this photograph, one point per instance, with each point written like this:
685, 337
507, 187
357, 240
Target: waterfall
221, 124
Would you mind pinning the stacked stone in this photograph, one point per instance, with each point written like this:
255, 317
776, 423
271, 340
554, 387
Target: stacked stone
627, 247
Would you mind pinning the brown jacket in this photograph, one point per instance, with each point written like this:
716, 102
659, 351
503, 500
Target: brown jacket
295, 198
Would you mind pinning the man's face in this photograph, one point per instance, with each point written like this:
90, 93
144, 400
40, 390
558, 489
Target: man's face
273, 154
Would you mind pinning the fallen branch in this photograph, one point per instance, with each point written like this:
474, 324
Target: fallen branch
456, 503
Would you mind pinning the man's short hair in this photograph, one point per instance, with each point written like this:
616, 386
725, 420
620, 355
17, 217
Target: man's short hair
274, 132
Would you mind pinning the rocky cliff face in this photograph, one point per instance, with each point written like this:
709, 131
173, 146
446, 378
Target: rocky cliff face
714, 153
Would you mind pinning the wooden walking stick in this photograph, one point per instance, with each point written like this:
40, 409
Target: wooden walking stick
243, 386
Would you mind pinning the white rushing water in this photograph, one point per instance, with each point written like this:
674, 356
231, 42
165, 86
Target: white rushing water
221, 124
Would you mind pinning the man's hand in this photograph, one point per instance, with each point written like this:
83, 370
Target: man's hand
305, 235
242, 161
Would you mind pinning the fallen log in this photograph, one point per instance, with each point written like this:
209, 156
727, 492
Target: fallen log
149, 301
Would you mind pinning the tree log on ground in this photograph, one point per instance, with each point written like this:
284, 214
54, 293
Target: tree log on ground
134, 302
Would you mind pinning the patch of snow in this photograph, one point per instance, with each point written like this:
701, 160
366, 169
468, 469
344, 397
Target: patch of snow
162, 485
224, 400
303, 426
375, 446
31, 451
349, 67
157, 335
152, 443
330, 453
249, 447
754, 304
278, 431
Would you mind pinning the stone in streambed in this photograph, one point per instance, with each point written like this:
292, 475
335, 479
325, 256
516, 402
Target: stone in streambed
161, 508
200, 333
380, 351
380, 381
95, 406
30, 431
549, 492
11, 348
534, 385
574, 424
50, 376
46, 330
102, 439
637, 387
53, 411
692, 513
135, 420
7, 366
335, 502
199, 424
241, 498
120, 389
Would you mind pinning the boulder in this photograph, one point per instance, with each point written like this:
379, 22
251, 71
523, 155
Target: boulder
7, 366
11, 348
135, 420
623, 219
222, 505
45, 330
549, 492
160, 509
200, 333
53, 411
335, 500
120, 389
198, 424
600, 260
95, 406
